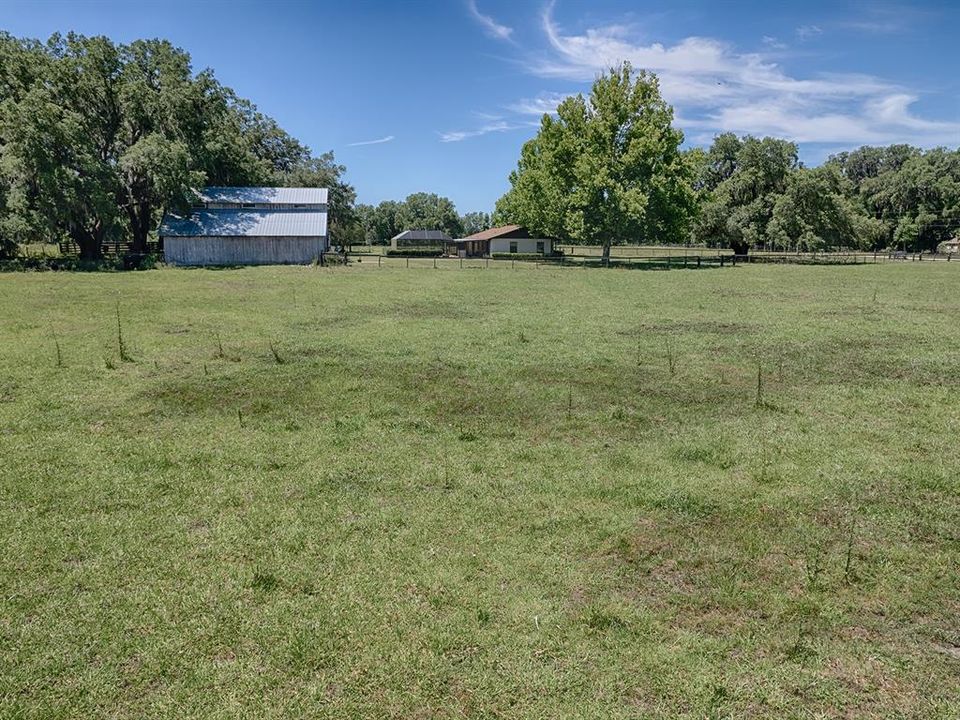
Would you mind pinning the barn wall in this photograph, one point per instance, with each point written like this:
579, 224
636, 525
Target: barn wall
524, 245
242, 250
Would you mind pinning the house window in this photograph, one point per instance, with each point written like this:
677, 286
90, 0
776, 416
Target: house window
513, 246
540, 246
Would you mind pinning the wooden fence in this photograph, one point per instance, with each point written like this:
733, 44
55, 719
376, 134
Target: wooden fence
646, 262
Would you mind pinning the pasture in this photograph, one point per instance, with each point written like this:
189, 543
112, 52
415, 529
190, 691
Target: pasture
538, 492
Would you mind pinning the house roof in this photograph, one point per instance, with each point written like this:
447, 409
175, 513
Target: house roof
494, 232
438, 235
246, 223
265, 195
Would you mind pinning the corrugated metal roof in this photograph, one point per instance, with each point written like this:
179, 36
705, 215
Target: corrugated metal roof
246, 223
421, 235
280, 195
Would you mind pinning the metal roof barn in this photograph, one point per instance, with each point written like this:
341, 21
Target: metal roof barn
246, 223
249, 226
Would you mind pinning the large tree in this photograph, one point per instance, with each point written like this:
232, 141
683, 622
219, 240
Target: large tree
429, 211
741, 181
608, 169
815, 212
474, 222
382, 222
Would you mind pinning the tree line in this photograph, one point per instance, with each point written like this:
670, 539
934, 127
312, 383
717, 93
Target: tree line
99, 139
609, 169
419, 211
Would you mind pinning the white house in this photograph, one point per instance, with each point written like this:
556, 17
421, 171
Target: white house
249, 226
513, 239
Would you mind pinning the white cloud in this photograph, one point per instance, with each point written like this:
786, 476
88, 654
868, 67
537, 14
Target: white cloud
489, 25
886, 19
494, 127
542, 104
805, 32
718, 88
388, 138
773, 43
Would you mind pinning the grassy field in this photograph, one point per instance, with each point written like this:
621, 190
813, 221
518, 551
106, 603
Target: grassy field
353, 492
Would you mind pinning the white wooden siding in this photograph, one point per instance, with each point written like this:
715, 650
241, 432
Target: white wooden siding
243, 250
524, 245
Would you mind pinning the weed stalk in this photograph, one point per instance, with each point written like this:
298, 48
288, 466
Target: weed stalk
759, 400
121, 345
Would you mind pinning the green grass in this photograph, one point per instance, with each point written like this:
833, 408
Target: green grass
362, 492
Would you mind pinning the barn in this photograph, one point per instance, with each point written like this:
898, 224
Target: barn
248, 226
513, 239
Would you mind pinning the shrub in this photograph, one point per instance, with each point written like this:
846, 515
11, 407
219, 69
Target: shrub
41, 264
527, 257
416, 252
406, 244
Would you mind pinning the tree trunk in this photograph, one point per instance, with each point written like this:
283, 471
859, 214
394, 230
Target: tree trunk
740, 247
139, 215
606, 253
89, 243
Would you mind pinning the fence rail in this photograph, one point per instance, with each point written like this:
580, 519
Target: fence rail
649, 262
664, 262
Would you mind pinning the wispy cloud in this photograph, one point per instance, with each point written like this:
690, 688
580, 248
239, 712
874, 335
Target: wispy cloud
773, 43
493, 127
886, 19
806, 32
717, 88
489, 25
542, 104
388, 138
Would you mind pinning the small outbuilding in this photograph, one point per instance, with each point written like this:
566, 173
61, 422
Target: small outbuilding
949, 247
507, 239
249, 226
419, 239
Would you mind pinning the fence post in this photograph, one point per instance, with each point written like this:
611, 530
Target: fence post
487, 266
721, 261
698, 261
668, 262
408, 262
379, 258
461, 263
434, 263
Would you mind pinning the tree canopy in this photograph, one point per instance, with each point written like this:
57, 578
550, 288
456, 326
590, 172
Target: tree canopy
755, 192
607, 170
419, 211
98, 139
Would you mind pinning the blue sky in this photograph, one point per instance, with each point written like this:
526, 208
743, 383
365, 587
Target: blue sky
439, 96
